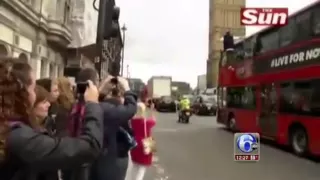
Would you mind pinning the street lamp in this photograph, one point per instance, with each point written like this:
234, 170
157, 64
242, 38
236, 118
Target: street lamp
123, 29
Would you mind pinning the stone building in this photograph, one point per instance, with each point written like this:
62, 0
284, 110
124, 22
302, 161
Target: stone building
224, 16
36, 31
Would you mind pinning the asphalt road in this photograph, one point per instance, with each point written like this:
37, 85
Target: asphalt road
202, 150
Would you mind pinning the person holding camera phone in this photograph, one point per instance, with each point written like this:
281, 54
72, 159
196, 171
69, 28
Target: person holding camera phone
26, 152
119, 105
118, 109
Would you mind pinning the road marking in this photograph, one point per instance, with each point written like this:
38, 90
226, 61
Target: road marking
175, 130
160, 172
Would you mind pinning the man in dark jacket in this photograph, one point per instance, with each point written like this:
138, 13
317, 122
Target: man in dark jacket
114, 115
228, 42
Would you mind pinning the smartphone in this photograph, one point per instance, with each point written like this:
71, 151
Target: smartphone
114, 81
81, 87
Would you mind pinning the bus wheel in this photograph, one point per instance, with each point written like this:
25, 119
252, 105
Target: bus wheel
232, 124
299, 141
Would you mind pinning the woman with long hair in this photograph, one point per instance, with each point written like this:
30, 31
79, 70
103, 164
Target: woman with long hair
27, 152
66, 98
40, 112
41, 106
51, 85
65, 102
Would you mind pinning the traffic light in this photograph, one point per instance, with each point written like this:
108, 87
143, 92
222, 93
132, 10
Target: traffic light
112, 27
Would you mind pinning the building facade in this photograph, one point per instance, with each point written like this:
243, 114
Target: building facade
224, 15
181, 88
36, 31
202, 82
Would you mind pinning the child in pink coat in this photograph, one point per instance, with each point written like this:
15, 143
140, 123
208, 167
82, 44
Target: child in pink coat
142, 128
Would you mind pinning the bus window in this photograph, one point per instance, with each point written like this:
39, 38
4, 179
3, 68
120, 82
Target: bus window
249, 98
302, 96
286, 94
316, 21
257, 46
296, 97
223, 59
248, 47
241, 97
268, 99
239, 52
315, 99
303, 25
287, 33
270, 41
221, 97
233, 98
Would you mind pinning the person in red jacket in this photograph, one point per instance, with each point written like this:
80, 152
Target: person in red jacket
142, 128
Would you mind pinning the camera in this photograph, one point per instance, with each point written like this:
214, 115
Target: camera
81, 87
115, 90
114, 81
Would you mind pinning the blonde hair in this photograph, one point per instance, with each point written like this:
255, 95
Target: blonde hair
141, 110
66, 97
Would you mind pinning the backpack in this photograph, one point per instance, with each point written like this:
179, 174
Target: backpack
76, 118
75, 125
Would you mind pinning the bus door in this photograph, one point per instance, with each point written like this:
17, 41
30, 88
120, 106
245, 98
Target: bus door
267, 120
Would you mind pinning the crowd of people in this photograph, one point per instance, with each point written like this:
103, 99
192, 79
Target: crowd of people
52, 130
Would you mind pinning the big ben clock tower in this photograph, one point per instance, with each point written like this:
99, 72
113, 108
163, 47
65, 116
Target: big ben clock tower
224, 15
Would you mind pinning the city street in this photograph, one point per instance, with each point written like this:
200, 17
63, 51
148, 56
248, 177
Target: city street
202, 150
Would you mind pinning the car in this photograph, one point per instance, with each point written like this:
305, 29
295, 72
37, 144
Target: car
166, 103
204, 105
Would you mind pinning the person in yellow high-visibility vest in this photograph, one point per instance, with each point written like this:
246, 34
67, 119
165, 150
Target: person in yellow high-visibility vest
184, 105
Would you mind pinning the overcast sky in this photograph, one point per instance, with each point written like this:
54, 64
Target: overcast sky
170, 37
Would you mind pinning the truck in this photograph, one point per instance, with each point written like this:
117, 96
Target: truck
159, 86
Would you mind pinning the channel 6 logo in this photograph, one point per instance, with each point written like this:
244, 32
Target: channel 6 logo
246, 142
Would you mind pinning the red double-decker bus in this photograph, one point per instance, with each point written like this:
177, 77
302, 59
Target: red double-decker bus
270, 83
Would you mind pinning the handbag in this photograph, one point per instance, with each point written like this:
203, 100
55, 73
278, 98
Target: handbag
125, 136
148, 143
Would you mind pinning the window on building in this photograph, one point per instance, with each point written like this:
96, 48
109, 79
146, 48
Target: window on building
67, 10
43, 70
288, 33
303, 25
52, 70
